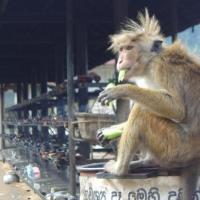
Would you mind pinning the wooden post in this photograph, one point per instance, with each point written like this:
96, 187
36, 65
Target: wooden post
70, 94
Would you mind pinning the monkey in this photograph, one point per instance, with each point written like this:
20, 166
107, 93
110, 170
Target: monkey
165, 118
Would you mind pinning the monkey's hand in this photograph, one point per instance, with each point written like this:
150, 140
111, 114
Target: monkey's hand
114, 168
105, 135
110, 94
101, 137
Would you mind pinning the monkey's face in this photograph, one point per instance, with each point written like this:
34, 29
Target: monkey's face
134, 57
128, 59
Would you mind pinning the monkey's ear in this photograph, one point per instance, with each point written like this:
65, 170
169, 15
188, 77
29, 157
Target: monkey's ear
157, 46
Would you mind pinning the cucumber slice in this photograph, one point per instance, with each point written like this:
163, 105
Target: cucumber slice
112, 133
121, 75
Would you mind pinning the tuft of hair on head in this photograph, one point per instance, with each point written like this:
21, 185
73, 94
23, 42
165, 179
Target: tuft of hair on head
146, 29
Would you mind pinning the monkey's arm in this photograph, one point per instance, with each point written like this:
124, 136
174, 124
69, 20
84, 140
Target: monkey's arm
158, 101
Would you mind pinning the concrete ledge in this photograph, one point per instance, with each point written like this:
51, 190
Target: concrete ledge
145, 183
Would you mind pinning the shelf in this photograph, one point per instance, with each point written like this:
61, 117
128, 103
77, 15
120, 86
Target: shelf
56, 123
32, 102
49, 98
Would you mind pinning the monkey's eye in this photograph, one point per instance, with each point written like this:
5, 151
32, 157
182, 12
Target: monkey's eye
129, 47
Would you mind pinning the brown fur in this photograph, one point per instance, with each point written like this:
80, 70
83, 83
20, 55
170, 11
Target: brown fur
165, 119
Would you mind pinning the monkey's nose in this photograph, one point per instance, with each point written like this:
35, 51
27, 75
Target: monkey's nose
120, 61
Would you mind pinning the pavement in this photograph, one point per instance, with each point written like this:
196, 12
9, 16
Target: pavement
14, 191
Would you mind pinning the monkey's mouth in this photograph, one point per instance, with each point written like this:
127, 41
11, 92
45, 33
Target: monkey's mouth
127, 74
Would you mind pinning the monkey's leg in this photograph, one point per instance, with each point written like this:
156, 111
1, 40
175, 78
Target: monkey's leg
158, 135
171, 147
161, 137
129, 143
168, 142
143, 161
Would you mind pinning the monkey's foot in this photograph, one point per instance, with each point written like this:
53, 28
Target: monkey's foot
113, 168
142, 163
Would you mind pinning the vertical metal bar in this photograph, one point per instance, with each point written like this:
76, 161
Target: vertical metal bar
25, 97
44, 110
19, 100
120, 12
174, 19
81, 58
33, 90
59, 63
33, 94
1, 117
70, 93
